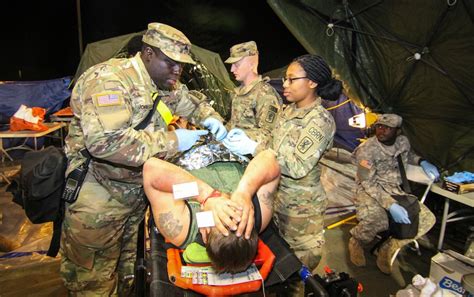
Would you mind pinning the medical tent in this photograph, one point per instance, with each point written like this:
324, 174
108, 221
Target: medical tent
413, 58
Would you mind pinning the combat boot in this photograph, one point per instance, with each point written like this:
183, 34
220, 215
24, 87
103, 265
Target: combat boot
385, 253
356, 252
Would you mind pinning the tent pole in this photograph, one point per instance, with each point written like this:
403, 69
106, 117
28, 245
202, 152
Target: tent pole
79, 26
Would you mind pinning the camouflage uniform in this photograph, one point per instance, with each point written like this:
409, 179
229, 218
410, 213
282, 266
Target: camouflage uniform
300, 138
98, 244
254, 106
254, 109
378, 178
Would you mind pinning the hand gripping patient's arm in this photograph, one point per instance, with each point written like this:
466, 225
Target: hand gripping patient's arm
261, 176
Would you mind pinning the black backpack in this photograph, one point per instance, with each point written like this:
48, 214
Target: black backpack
412, 206
40, 187
42, 182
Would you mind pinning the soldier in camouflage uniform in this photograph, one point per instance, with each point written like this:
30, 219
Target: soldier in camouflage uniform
98, 245
378, 179
255, 102
304, 131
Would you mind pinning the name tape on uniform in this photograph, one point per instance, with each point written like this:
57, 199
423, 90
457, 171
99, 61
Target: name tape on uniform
205, 219
185, 190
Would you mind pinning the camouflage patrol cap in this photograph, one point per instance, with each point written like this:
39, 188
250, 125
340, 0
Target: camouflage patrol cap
389, 119
170, 41
238, 51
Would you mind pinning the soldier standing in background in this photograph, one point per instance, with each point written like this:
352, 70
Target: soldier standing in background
255, 102
378, 179
99, 236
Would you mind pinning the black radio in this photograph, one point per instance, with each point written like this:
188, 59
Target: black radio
74, 183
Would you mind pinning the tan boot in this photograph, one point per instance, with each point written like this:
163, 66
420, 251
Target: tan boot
356, 253
385, 254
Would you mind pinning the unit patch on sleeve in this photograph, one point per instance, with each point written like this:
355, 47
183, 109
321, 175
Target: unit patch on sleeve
311, 140
272, 111
305, 144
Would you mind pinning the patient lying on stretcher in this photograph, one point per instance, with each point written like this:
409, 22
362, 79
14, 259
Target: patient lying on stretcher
176, 218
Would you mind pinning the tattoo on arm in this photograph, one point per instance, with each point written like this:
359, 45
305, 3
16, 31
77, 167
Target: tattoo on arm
170, 226
267, 198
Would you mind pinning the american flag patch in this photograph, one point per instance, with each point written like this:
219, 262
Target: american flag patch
366, 164
108, 99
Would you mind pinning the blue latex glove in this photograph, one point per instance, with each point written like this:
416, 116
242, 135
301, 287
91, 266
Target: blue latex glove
187, 138
461, 177
430, 169
239, 143
216, 128
399, 214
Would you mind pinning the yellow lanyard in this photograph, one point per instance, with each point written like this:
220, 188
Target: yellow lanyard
339, 105
164, 111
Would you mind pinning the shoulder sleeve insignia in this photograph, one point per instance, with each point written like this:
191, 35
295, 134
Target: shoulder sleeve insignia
272, 111
312, 139
108, 99
305, 144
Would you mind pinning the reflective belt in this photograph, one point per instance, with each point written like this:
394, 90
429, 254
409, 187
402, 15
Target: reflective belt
164, 111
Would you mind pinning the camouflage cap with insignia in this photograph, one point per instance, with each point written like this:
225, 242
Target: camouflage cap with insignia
241, 50
390, 120
172, 42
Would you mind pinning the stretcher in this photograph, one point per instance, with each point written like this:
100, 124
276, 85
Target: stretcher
153, 277
158, 268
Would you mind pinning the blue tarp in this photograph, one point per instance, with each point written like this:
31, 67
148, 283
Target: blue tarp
342, 110
49, 94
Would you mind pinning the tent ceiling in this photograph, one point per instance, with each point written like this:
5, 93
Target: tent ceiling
413, 58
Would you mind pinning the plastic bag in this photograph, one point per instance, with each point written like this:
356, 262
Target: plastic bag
28, 119
421, 287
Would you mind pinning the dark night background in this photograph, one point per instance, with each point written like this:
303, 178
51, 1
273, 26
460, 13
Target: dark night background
40, 38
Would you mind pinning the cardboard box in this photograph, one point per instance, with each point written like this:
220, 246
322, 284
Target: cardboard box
446, 271
458, 188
